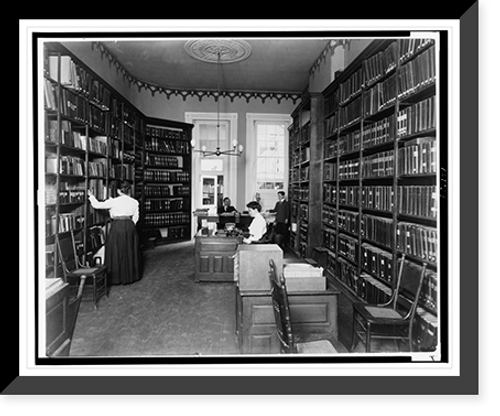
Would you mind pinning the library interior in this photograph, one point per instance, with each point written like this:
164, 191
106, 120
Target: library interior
249, 197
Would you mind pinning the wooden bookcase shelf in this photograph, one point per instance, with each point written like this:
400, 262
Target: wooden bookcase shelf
374, 131
93, 138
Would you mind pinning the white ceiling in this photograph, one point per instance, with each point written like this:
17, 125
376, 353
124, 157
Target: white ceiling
275, 65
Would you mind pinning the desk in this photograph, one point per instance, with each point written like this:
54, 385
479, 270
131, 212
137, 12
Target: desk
313, 313
214, 258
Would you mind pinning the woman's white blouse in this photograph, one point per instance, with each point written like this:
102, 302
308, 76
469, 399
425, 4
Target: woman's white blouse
121, 206
257, 228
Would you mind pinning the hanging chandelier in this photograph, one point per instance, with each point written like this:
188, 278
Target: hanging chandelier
216, 51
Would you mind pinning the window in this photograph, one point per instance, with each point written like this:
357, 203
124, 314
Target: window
270, 156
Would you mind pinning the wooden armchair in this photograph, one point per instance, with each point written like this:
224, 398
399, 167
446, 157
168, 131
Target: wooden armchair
281, 309
392, 320
74, 271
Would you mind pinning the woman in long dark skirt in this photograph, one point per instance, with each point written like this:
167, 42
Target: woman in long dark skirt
121, 254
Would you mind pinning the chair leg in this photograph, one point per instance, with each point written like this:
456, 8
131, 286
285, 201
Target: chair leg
368, 336
354, 339
94, 283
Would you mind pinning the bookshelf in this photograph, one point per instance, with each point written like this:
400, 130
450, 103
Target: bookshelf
305, 155
93, 138
167, 181
379, 175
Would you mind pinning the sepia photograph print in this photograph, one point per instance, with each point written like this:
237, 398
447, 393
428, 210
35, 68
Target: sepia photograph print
274, 201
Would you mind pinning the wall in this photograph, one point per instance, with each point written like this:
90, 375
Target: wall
175, 107
335, 60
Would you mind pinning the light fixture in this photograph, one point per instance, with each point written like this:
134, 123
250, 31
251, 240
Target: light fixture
236, 150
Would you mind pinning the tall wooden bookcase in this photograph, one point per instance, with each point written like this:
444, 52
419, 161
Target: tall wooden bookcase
93, 138
167, 181
377, 186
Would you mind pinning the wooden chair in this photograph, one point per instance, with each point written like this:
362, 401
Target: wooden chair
73, 270
392, 320
281, 308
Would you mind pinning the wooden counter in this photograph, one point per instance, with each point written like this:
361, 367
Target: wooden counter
214, 258
313, 313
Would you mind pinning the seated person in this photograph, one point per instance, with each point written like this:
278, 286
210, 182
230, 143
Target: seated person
226, 207
258, 226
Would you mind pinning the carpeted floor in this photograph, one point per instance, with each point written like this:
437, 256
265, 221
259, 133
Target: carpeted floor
167, 313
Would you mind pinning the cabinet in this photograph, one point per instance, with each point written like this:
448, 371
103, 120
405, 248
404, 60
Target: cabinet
58, 320
214, 258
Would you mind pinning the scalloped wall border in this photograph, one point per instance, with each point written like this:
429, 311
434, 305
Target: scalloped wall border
330, 48
154, 89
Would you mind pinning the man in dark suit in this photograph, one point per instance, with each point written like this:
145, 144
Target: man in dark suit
226, 207
282, 210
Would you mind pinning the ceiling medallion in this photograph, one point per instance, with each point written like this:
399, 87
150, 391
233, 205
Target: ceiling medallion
209, 50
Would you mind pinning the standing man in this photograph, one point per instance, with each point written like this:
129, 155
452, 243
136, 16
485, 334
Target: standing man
282, 210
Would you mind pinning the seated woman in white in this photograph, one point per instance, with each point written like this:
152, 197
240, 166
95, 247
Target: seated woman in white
258, 226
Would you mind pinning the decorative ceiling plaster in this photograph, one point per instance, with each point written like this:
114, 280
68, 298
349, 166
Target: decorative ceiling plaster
210, 50
231, 52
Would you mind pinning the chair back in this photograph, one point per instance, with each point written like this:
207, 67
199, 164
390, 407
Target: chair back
409, 285
67, 253
281, 308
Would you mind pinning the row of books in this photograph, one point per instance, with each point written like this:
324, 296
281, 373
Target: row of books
159, 191
98, 119
301, 194
164, 204
417, 240
417, 73
379, 132
165, 133
332, 124
294, 174
418, 157
305, 133
348, 247
69, 165
164, 161
74, 106
346, 273
377, 229
72, 197
51, 192
329, 239
331, 102
417, 117
97, 168
410, 46
122, 172
377, 262
167, 146
347, 195
349, 143
348, 221
426, 331
349, 169
175, 232
380, 198
350, 114
418, 200
372, 290
50, 95
380, 64
71, 221
429, 292
352, 86
329, 171
98, 188
68, 73
379, 165
304, 154
380, 96
329, 216
304, 212
304, 173
166, 219
156, 175
330, 149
